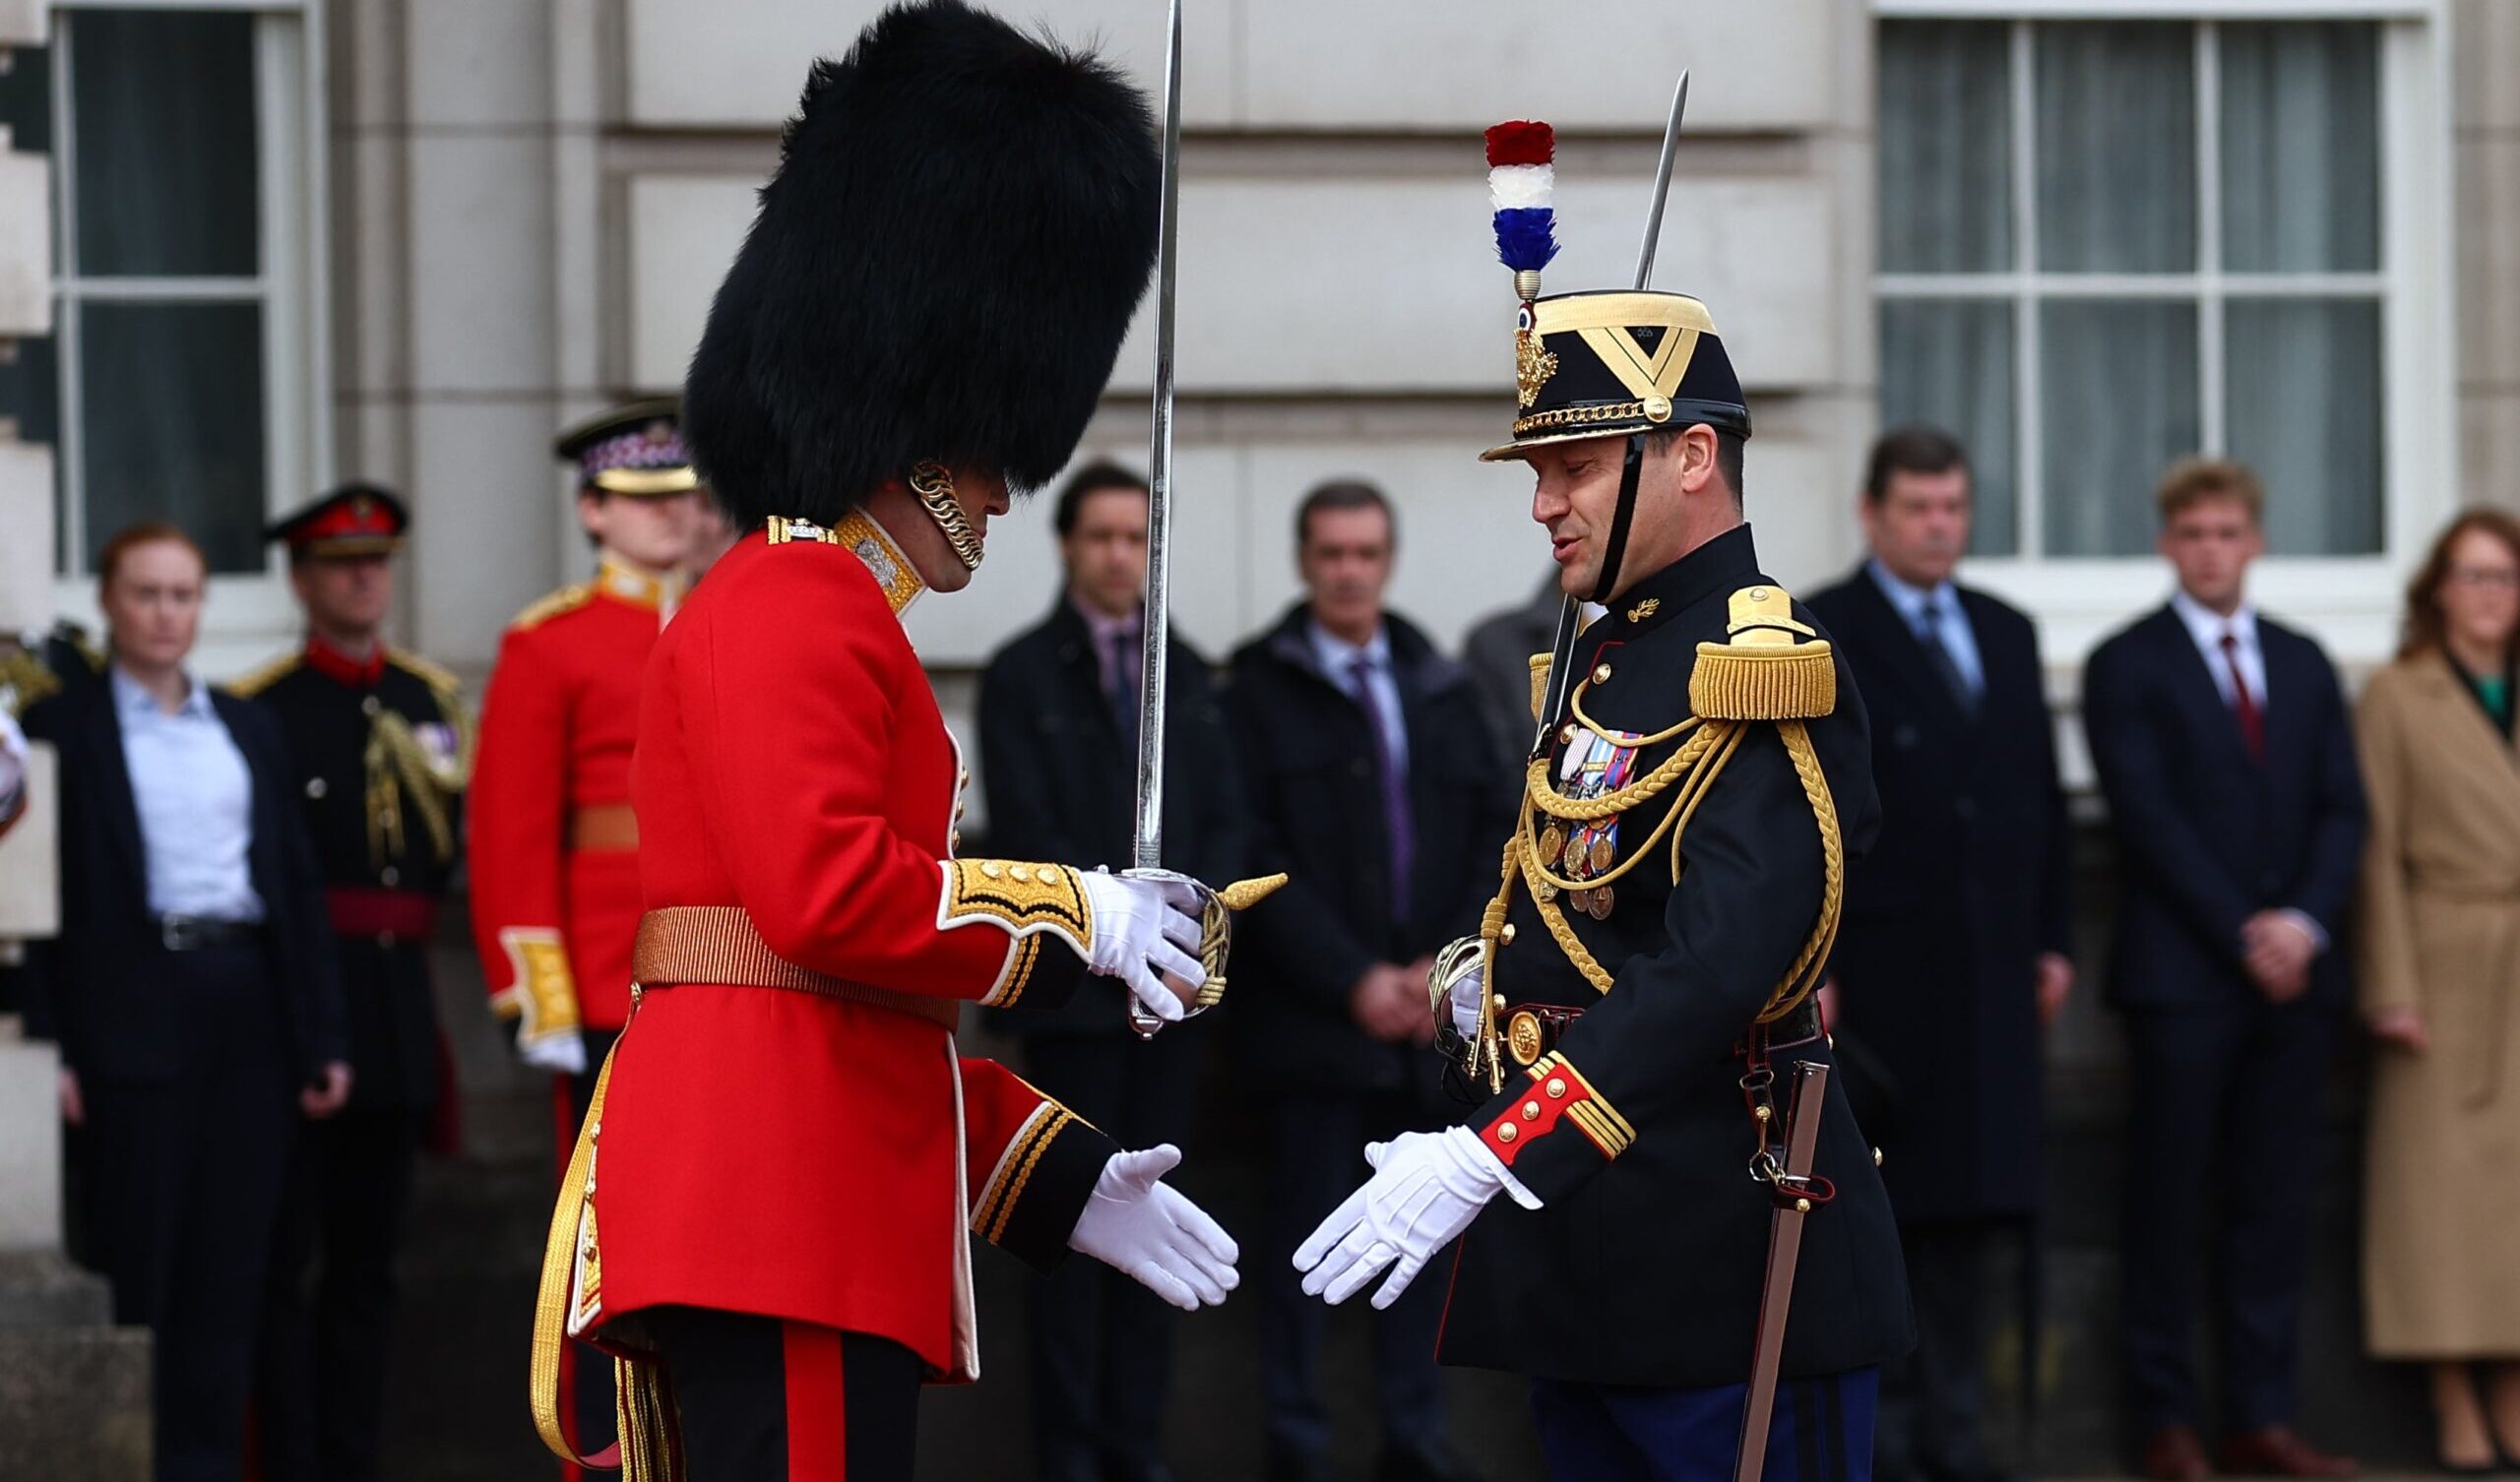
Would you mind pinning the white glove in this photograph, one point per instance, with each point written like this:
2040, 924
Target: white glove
564, 1053
1144, 928
1427, 1186
1141, 1228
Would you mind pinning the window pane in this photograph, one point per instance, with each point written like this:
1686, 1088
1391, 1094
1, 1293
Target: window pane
2303, 399
163, 142
2300, 147
2118, 401
30, 400
26, 99
2116, 128
171, 422
1947, 147
1949, 364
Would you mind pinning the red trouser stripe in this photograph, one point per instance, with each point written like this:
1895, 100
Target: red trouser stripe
817, 1405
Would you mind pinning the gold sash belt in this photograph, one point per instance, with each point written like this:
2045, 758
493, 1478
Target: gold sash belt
719, 945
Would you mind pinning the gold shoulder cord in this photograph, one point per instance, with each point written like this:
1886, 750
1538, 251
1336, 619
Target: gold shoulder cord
1775, 670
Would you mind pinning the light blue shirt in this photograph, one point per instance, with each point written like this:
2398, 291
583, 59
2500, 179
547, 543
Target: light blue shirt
1952, 620
195, 797
1337, 658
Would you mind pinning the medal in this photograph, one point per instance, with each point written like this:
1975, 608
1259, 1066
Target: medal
1597, 903
1542, 892
1552, 843
1603, 854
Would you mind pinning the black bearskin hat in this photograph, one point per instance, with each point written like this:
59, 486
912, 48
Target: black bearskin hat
961, 224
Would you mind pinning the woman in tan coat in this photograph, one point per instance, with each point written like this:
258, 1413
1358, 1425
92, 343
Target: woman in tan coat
2440, 973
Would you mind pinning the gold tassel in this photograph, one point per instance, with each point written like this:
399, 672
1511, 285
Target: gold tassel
1773, 668
651, 1431
1741, 682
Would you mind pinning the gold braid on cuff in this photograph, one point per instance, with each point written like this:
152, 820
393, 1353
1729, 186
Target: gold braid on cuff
933, 483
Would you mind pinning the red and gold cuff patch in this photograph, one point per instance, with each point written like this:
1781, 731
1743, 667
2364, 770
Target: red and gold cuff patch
1558, 1094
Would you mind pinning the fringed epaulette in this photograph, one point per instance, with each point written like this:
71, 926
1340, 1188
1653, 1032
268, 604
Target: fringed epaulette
254, 681
435, 675
1771, 666
23, 680
1540, 683
568, 598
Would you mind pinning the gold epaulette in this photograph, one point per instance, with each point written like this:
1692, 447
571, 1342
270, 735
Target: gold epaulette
435, 675
1772, 666
568, 598
254, 681
1540, 683
26, 680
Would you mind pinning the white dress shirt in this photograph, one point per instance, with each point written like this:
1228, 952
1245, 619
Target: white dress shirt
195, 797
2206, 626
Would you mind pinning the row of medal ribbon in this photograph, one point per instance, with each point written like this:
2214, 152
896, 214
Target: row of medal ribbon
1593, 764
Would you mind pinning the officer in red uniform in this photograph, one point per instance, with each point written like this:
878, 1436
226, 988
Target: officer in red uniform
769, 1217
554, 847
381, 744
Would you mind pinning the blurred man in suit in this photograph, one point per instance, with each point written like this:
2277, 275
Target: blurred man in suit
1954, 951
2226, 753
192, 991
1059, 713
1374, 784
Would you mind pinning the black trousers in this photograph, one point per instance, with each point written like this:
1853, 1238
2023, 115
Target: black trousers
320, 1384
1102, 1345
181, 1179
1317, 1158
1933, 1401
2223, 1098
592, 1418
762, 1400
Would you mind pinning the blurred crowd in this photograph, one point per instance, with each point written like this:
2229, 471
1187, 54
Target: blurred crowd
250, 874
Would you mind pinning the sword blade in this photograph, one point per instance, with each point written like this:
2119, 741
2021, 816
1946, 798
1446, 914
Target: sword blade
1661, 182
1147, 849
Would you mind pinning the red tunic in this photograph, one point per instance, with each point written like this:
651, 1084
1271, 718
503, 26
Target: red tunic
806, 1158
554, 922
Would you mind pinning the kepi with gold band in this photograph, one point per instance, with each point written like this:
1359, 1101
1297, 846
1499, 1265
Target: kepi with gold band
635, 450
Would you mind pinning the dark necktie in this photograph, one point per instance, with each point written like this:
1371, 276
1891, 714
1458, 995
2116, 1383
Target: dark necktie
1400, 825
2244, 705
1126, 661
1930, 632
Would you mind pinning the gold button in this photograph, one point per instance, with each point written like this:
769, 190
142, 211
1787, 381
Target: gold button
1762, 1113
991, 870
1803, 1207
1758, 594
1506, 936
1601, 674
958, 813
1657, 408
1507, 1133
1020, 874
1499, 1001
954, 841
1556, 1087
1530, 1111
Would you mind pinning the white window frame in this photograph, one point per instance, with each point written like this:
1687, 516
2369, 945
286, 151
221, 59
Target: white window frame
2350, 602
249, 614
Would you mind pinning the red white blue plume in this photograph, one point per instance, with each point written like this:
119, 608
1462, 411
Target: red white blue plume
1520, 180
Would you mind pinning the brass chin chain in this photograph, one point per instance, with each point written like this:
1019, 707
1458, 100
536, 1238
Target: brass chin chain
933, 483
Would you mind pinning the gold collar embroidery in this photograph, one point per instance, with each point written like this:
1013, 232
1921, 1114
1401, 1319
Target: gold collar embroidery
859, 532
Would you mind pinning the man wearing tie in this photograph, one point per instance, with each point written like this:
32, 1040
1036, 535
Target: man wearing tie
1954, 950
2222, 746
1374, 786
1058, 716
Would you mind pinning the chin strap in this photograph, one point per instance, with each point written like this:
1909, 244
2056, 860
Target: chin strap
933, 483
1608, 586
